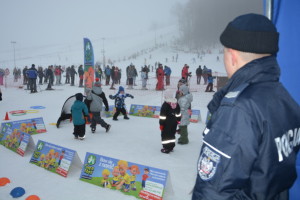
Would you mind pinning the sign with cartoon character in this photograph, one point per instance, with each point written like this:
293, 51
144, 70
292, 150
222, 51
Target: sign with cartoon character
31, 126
142, 182
111, 111
52, 157
195, 115
144, 111
13, 138
154, 112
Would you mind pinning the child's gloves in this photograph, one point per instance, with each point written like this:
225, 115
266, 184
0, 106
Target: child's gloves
161, 127
110, 96
178, 122
132, 97
88, 118
106, 109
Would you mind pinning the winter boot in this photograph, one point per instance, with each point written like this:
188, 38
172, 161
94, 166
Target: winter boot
126, 117
58, 123
165, 150
93, 129
107, 127
183, 139
81, 138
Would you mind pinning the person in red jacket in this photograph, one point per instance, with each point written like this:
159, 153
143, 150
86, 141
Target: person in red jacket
185, 72
160, 78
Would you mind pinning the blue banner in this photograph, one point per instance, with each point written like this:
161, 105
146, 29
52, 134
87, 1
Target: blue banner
89, 71
286, 18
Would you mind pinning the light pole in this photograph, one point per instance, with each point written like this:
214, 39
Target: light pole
103, 51
13, 43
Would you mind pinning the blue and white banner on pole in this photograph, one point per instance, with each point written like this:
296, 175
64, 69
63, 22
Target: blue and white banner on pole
89, 71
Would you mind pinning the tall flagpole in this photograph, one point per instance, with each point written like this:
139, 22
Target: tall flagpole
269, 9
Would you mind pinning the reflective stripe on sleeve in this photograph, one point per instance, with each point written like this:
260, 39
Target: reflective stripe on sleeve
178, 115
168, 141
206, 130
162, 117
217, 150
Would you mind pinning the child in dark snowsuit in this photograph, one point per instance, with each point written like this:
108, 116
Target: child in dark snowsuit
169, 118
120, 103
79, 112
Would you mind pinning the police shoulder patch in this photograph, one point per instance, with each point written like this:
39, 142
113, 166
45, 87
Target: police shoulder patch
231, 96
208, 163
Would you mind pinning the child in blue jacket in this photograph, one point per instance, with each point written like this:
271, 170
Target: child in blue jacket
210, 85
79, 111
120, 103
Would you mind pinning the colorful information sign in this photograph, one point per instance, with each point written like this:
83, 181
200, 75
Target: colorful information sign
54, 158
110, 112
142, 182
13, 138
31, 126
144, 111
195, 116
154, 112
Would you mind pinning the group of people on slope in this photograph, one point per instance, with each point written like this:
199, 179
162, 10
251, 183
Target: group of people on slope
163, 74
49, 75
174, 112
206, 74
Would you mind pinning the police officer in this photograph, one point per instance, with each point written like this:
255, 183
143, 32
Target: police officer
251, 142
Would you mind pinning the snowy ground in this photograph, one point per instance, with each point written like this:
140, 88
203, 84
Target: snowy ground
136, 140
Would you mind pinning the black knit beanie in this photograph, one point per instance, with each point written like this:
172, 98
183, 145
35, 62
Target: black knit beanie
79, 96
251, 33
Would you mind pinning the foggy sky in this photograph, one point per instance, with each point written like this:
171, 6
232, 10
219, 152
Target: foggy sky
45, 28
39, 24
203, 21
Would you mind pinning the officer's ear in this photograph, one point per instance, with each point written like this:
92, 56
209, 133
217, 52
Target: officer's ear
234, 56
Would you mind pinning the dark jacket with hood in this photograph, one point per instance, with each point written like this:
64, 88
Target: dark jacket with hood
252, 139
79, 110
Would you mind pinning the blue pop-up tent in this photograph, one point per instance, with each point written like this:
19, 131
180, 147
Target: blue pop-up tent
286, 16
